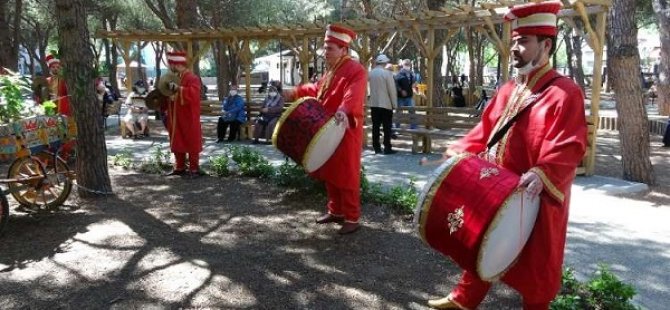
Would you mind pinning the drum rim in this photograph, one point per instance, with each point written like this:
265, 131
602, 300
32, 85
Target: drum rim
485, 239
430, 193
284, 116
331, 123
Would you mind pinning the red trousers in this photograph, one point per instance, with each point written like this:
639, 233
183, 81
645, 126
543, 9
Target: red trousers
193, 161
344, 202
471, 290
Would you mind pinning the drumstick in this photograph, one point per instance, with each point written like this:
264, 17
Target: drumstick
425, 162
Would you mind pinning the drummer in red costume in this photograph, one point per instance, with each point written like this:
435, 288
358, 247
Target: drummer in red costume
342, 91
544, 146
57, 87
183, 117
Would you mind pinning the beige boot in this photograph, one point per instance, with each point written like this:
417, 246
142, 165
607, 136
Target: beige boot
443, 303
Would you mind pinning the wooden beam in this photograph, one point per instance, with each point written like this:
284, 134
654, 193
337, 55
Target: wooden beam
601, 25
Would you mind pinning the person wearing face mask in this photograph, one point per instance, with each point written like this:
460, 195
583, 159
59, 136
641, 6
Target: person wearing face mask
341, 90
544, 145
270, 112
183, 117
233, 116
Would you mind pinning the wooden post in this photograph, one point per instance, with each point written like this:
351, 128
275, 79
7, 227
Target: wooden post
126, 61
304, 60
504, 54
596, 86
189, 54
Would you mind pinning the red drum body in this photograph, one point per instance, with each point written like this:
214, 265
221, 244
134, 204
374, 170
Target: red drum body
471, 211
307, 133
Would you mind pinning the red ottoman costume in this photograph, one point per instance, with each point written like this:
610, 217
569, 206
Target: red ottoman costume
549, 138
342, 88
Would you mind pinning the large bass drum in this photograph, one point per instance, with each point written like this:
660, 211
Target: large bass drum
307, 133
471, 211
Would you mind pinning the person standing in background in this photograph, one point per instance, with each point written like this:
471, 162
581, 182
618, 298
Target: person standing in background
383, 100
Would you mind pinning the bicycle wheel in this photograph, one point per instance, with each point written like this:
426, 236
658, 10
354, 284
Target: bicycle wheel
46, 183
4, 212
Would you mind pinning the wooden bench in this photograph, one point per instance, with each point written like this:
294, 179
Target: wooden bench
432, 122
214, 108
113, 109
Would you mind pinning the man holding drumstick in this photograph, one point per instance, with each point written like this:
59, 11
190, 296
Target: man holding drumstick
544, 145
341, 90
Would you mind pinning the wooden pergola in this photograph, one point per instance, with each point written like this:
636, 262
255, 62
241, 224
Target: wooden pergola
421, 28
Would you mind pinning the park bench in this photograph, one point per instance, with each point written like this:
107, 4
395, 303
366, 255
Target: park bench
213, 108
430, 123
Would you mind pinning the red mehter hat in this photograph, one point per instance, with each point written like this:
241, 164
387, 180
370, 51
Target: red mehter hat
176, 58
52, 60
534, 18
339, 35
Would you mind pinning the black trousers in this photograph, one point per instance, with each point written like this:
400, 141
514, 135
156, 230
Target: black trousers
383, 117
222, 127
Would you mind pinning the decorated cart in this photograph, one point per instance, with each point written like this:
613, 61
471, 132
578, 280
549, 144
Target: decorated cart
37, 176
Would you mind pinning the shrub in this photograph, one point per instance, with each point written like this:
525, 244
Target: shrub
123, 158
219, 165
251, 163
603, 291
157, 162
399, 197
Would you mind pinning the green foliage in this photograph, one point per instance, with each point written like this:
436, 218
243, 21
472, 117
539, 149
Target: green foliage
219, 165
12, 87
290, 174
251, 163
157, 162
603, 291
399, 197
49, 107
124, 159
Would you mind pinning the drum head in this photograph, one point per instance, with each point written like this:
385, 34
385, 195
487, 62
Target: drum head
323, 145
507, 235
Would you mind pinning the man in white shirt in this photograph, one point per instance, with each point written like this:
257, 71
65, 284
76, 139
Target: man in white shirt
383, 99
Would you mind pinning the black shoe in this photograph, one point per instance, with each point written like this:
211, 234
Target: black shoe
255, 141
219, 140
196, 174
378, 151
176, 172
390, 152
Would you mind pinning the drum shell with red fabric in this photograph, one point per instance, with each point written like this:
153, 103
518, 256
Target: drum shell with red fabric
463, 203
306, 133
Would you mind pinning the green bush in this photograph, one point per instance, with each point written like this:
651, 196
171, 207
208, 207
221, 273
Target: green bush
157, 162
219, 165
123, 158
603, 291
251, 163
12, 88
399, 197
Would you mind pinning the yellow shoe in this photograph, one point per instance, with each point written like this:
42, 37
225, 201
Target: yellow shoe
443, 303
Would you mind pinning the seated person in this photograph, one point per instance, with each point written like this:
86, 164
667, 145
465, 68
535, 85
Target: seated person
234, 115
136, 116
457, 95
270, 112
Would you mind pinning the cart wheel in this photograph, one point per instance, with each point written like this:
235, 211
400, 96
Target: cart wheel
50, 191
4, 212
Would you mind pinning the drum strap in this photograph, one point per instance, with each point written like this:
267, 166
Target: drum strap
503, 130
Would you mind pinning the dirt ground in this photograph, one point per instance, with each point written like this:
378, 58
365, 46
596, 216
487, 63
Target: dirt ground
233, 243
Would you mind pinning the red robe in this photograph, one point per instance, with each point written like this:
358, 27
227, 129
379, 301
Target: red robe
58, 89
183, 116
549, 138
346, 92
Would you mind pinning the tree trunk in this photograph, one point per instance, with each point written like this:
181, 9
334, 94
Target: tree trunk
568, 52
187, 18
438, 94
77, 59
662, 10
9, 34
623, 61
